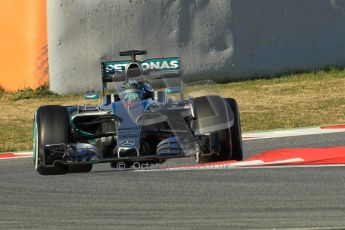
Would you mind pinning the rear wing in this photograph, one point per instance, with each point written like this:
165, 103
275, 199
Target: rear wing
157, 68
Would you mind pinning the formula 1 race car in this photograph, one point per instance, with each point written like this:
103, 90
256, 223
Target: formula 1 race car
135, 123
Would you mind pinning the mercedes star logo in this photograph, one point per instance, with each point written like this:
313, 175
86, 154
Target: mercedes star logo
127, 143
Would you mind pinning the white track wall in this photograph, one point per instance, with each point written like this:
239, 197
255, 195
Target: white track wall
221, 40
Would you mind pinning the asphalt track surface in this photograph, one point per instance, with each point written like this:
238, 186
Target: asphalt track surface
265, 198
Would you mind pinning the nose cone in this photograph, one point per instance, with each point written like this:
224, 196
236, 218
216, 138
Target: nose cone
128, 135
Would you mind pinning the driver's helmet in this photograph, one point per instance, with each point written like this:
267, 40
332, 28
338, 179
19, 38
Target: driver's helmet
133, 91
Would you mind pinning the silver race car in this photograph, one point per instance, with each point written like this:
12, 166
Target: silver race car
131, 123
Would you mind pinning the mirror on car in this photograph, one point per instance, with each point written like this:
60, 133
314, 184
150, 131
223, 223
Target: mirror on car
91, 95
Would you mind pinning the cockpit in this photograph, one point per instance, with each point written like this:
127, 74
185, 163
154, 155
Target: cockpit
133, 91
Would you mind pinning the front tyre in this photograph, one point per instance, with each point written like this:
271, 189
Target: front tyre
51, 126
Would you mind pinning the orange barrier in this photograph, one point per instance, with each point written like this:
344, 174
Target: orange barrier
23, 44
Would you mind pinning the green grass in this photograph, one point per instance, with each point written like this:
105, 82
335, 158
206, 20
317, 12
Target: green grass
296, 100
2, 92
17, 113
28, 93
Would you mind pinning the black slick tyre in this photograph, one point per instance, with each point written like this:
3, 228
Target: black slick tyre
207, 108
236, 134
51, 126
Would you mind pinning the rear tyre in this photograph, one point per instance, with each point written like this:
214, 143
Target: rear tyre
205, 109
51, 127
236, 134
